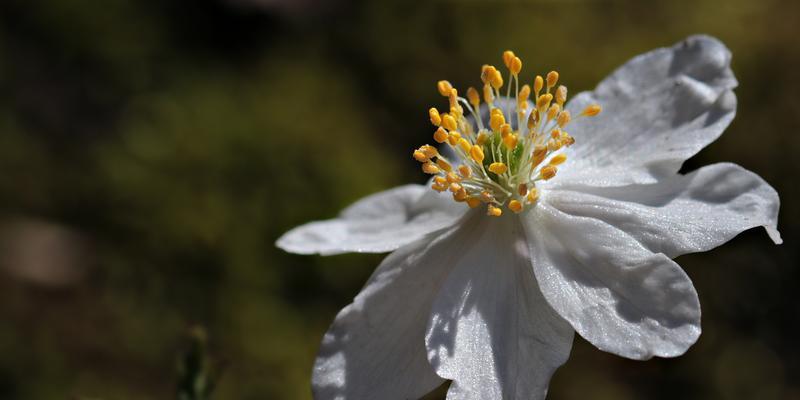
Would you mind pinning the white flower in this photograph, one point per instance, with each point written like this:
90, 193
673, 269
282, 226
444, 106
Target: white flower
492, 303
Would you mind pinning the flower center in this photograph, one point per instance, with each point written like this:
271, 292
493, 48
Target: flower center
501, 158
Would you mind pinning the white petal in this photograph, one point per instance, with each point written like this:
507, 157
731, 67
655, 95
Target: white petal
491, 331
615, 293
375, 349
681, 214
378, 223
659, 109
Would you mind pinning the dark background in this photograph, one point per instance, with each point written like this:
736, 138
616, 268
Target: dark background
152, 152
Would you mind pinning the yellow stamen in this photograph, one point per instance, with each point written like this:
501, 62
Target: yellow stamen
486, 197
592, 110
452, 178
430, 168
440, 135
522, 97
496, 120
473, 202
429, 151
515, 206
465, 171
554, 109
436, 119
440, 180
453, 138
448, 122
464, 145
539, 153
488, 95
455, 187
563, 118
541, 103
498, 168
444, 88
420, 156
516, 66
508, 55
510, 141
493, 211
533, 195
561, 95
548, 172
505, 130
558, 159
460, 196
538, 83
443, 165
476, 152
482, 138
473, 97
522, 189
552, 78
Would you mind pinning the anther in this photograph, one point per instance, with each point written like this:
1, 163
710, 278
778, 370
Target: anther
420, 156
443, 165
464, 145
522, 189
552, 78
429, 151
558, 159
453, 98
498, 168
533, 195
488, 95
430, 168
516, 66
473, 97
487, 73
539, 153
440, 136
496, 120
440, 180
554, 109
548, 172
455, 187
563, 118
465, 171
460, 196
497, 80
473, 202
451, 177
505, 130
482, 138
448, 122
508, 55
522, 97
541, 103
510, 141
515, 206
561, 95
493, 211
453, 138
476, 152
592, 110
444, 88
553, 144
538, 83
436, 119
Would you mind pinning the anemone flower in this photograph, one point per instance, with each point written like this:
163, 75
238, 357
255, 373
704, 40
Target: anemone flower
566, 219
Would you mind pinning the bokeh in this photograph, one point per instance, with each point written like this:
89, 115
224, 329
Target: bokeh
151, 152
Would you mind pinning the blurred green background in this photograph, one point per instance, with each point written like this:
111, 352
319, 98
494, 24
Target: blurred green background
152, 152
